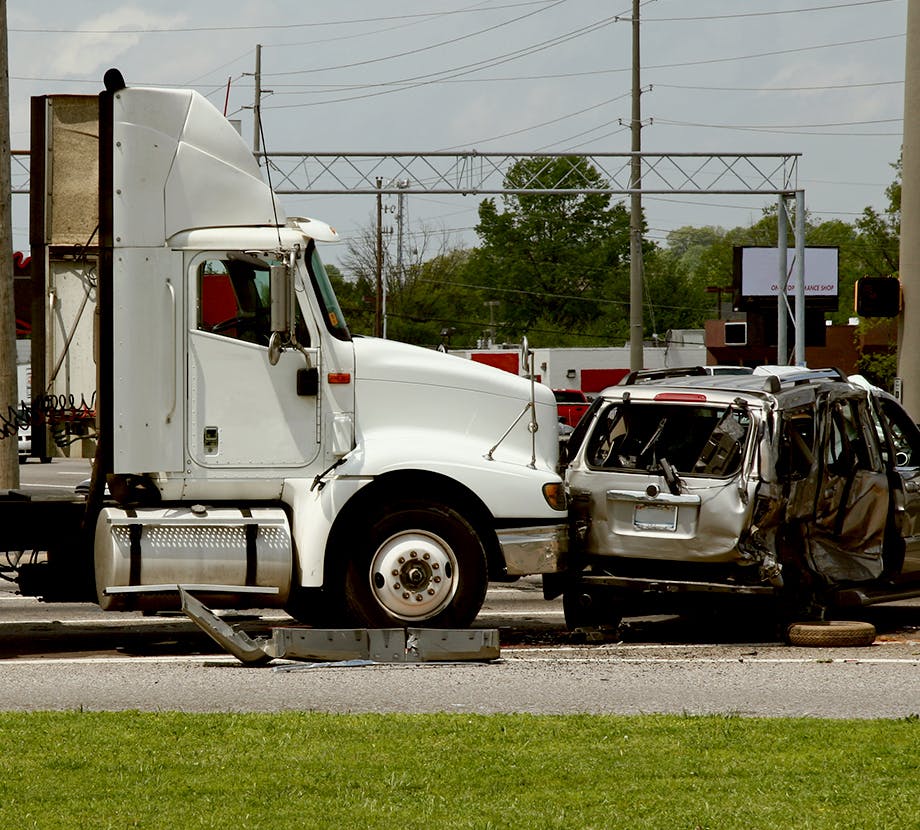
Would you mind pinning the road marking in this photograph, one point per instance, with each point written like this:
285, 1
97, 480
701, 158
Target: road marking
509, 656
217, 659
518, 657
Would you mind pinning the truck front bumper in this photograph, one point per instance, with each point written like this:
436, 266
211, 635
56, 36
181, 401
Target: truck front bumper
534, 550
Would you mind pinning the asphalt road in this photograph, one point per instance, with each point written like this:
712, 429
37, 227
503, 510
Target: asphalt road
74, 656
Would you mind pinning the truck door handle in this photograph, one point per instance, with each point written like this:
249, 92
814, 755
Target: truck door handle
172, 298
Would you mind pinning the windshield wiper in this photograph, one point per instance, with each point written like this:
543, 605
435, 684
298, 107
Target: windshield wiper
653, 440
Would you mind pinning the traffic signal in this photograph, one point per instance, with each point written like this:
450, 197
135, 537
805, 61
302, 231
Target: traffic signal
878, 297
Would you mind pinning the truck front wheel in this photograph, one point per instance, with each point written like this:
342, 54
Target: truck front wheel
418, 564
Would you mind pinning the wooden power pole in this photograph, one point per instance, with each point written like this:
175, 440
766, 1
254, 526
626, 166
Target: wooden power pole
909, 333
636, 358
9, 392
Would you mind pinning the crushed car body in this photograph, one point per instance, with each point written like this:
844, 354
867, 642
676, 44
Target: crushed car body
801, 486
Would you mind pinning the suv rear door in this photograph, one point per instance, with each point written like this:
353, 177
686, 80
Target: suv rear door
665, 477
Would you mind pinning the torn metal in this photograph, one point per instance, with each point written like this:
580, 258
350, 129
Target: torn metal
358, 646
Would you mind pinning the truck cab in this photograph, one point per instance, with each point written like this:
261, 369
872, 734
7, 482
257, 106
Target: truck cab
250, 447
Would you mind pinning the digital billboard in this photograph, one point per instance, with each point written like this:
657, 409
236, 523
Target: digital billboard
757, 275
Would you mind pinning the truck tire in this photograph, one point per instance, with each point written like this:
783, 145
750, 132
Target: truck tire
416, 564
829, 634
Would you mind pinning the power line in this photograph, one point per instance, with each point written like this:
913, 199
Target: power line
477, 66
564, 117
417, 51
777, 127
820, 88
711, 17
776, 52
270, 27
788, 129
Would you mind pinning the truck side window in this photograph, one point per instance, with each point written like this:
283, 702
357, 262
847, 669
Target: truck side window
233, 299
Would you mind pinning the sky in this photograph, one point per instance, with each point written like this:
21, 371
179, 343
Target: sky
823, 78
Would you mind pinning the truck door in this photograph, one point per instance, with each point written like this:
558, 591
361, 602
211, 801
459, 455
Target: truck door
244, 412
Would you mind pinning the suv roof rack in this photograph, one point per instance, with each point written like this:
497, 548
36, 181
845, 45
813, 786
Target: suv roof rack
779, 376
646, 375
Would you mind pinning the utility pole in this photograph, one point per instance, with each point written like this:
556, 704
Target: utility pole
400, 204
9, 392
378, 316
257, 102
909, 328
636, 359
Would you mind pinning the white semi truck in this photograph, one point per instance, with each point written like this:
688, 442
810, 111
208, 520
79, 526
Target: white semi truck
250, 448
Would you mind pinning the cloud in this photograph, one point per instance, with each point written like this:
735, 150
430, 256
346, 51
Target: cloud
84, 54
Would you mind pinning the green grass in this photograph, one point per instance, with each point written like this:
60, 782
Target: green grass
300, 770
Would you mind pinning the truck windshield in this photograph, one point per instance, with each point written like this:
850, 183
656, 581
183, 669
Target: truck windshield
332, 313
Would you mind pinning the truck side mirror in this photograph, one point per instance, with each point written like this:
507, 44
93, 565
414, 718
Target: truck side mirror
279, 287
280, 290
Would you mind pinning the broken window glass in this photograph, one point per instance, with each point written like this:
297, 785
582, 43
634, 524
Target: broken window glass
694, 440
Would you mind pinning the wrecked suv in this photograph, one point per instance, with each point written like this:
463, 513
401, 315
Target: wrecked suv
801, 488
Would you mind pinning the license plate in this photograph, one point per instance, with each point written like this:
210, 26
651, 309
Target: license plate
655, 517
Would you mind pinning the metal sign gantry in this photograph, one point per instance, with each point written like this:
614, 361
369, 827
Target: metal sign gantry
474, 173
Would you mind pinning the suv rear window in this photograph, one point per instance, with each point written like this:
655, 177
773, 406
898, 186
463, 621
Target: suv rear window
694, 440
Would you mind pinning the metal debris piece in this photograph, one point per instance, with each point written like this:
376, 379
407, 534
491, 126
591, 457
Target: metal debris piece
347, 646
238, 643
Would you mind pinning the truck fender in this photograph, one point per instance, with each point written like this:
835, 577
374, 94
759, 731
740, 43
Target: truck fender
314, 511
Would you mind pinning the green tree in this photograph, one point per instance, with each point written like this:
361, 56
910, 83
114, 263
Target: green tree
557, 262
880, 233
428, 300
686, 276
432, 305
